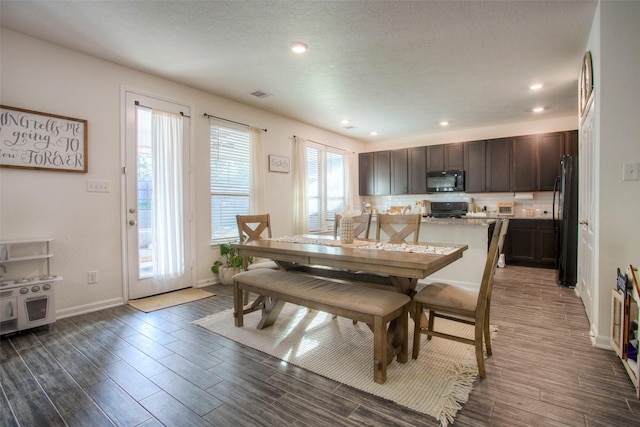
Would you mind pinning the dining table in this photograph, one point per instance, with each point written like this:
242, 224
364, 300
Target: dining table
397, 265
394, 267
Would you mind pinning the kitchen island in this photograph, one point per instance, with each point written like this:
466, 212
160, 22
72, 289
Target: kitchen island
473, 232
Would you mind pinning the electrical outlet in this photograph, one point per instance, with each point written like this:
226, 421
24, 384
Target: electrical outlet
92, 277
98, 186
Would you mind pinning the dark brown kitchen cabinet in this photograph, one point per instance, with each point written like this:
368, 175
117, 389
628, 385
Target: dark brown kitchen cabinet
498, 165
417, 173
524, 174
382, 173
550, 150
366, 174
445, 157
399, 177
571, 142
475, 166
531, 242
374, 173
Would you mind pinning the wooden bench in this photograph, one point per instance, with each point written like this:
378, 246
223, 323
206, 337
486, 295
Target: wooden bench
375, 307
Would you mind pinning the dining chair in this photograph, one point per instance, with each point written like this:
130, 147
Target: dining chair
254, 227
454, 303
361, 226
398, 227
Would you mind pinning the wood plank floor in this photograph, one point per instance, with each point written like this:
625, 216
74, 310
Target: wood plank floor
124, 367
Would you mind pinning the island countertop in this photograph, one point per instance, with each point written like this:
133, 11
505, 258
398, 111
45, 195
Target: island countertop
458, 221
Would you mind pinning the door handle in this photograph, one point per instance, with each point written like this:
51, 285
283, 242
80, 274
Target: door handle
132, 210
583, 222
132, 222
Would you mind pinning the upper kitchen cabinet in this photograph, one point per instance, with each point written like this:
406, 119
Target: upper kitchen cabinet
375, 173
475, 153
417, 172
445, 157
398, 162
498, 165
551, 148
524, 174
536, 159
365, 174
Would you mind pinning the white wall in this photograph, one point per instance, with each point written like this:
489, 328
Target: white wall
39, 76
616, 60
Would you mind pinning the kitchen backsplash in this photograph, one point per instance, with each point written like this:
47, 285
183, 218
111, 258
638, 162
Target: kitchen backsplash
536, 204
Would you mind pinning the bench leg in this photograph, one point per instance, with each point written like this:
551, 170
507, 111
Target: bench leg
271, 313
379, 351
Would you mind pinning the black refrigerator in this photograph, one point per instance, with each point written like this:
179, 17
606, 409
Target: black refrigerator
565, 220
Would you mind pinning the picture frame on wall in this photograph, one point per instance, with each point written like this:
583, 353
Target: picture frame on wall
279, 164
35, 140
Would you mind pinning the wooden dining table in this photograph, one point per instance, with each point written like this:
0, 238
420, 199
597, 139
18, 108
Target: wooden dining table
368, 263
394, 265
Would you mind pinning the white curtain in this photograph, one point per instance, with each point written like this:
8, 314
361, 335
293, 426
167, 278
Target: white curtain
167, 200
256, 200
352, 197
300, 203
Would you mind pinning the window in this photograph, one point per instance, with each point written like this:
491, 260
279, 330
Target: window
230, 180
326, 185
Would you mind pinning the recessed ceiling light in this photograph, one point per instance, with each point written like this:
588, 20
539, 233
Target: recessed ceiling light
538, 109
536, 86
299, 47
444, 123
345, 122
373, 133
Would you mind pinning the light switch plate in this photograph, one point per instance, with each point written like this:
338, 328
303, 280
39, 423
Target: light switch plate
630, 171
98, 186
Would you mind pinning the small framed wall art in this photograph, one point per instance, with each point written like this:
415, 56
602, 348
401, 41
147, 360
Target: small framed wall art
35, 140
278, 164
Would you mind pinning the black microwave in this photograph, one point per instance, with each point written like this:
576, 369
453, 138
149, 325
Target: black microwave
443, 181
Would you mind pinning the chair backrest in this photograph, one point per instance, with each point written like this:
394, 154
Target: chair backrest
361, 226
486, 285
503, 233
252, 227
399, 227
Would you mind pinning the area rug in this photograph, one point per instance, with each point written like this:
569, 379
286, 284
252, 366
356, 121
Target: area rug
169, 299
436, 384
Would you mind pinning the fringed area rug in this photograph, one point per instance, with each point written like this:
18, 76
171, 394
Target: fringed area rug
436, 384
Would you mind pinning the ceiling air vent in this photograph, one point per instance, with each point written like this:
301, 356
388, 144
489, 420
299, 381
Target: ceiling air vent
260, 94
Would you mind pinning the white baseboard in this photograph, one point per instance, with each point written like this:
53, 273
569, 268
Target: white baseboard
89, 308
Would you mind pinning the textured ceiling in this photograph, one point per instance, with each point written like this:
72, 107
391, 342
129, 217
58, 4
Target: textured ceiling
397, 67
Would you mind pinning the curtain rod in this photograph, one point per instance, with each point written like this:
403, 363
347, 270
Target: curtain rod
230, 121
326, 145
151, 108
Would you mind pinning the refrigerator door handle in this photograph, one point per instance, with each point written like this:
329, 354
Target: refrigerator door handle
556, 185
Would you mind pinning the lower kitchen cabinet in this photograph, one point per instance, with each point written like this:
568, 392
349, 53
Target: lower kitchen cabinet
531, 242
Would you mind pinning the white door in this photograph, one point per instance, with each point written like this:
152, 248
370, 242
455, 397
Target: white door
586, 214
158, 210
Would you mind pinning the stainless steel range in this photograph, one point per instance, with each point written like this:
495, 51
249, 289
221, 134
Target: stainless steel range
448, 209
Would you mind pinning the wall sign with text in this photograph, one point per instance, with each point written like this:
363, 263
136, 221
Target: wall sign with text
34, 140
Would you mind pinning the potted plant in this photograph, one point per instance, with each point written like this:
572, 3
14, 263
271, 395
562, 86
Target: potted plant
229, 265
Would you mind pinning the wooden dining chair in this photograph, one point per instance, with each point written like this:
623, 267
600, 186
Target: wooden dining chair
398, 227
254, 227
361, 226
459, 304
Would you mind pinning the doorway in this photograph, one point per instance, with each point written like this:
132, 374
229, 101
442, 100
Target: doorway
157, 217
